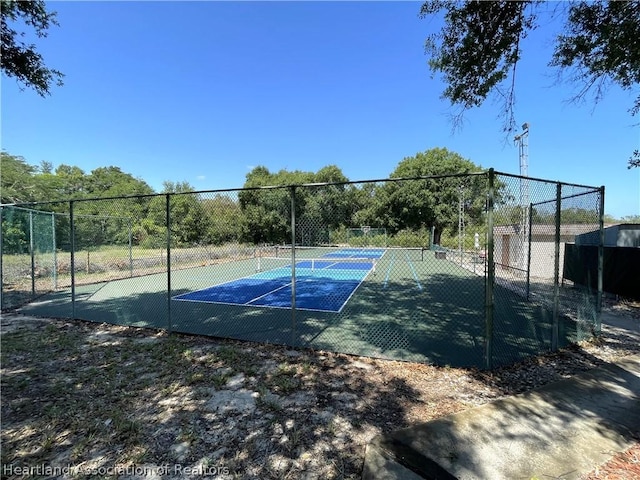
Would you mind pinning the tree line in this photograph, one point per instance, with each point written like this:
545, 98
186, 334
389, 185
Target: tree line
444, 196
254, 214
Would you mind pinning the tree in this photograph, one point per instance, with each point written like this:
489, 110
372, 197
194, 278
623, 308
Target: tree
176, 187
19, 59
113, 182
325, 208
16, 179
319, 208
108, 222
189, 223
478, 49
630, 219
74, 181
97, 222
21, 182
267, 212
430, 202
46, 167
224, 218
576, 215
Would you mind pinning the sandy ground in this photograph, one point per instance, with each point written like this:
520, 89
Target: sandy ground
87, 400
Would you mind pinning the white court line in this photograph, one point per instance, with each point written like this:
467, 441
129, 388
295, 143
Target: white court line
248, 277
253, 276
268, 293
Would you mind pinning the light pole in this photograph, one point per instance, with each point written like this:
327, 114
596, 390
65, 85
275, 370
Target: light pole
461, 222
522, 140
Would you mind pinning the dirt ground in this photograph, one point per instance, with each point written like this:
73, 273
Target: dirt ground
87, 400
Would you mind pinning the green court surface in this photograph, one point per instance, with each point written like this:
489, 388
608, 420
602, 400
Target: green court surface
414, 307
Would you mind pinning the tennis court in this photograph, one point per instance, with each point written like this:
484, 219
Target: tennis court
324, 284
285, 264
394, 303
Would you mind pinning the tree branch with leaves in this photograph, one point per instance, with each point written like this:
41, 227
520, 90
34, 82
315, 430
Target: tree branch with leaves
479, 47
21, 60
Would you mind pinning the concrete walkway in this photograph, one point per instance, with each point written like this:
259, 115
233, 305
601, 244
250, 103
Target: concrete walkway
560, 431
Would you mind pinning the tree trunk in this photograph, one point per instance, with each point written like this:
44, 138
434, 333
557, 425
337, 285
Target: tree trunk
437, 234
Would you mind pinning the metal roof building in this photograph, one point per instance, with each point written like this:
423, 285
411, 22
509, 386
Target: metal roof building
621, 235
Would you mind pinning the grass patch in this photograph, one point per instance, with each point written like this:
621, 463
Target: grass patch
219, 380
284, 379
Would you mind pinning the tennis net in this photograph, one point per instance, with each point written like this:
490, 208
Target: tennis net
310, 265
321, 252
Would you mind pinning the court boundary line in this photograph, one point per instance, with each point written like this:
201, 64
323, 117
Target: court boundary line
386, 278
104, 285
214, 285
413, 271
268, 293
250, 304
264, 306
354, 290
307, 278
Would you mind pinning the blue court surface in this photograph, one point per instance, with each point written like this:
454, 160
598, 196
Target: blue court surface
324, 284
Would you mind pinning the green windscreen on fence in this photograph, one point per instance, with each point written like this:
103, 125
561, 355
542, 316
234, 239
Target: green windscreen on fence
29, 265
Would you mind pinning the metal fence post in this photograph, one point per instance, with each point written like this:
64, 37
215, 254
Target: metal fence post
293, 265
130, 252
1, 260
55, 253
489, 297
555, 329
598, 327
33, 255
168, 221
72, 234
529, 252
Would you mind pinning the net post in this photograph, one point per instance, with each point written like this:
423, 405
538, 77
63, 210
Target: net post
490, 280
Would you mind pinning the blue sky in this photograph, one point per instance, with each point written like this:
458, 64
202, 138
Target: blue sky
204, 91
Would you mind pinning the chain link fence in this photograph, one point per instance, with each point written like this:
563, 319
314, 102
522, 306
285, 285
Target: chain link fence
461, 270
534, 220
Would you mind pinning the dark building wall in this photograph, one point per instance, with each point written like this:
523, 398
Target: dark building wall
621, 273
